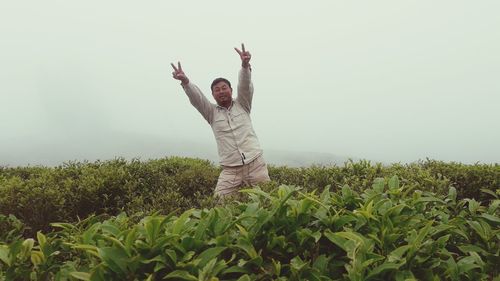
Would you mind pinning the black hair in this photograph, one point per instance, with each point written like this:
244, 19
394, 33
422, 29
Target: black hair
220, 79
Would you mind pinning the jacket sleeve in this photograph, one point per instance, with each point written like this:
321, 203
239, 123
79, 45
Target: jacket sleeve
199, 101
245, 89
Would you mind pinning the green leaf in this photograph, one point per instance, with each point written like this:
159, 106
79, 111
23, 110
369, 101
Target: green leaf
441, 228
4, 254
307, 203
353, 236
490, 192
65, 226
26, 248
42, 240
472, 248
298, 264
461, 233
346, 192
84, 247
467, 264
473, 205
429, 199
37, 258
179, 223
114, 241
325, 195
337, 240
276, 267
115, 258
452, 194
316, 235
421, 235
108, 228
88, 235
202, 227
378, 185
396, 210
386, 266
98, 273
491, 218
482, 229
152, 226
404, 275
343, 220
180, 275
257, 191
208, 271
188, 256
321, 263
286, 192
477, 259
493, 206
158, 258
394, 183
172, 255
243, 231
80, 275
397, 254
246, 246
130, 239
209, 254
441, 241
244, 278
452, 269
235, 269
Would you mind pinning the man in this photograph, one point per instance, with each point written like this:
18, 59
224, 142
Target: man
239, 150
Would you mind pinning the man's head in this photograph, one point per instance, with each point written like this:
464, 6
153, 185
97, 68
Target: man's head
222, 92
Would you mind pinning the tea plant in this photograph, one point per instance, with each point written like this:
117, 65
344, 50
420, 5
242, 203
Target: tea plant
388, 231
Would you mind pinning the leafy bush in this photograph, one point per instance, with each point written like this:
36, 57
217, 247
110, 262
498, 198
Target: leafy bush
38, 196
10, 228
77, 190
468, 179
388, 231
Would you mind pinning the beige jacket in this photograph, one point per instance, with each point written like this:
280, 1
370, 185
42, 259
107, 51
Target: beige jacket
237, 142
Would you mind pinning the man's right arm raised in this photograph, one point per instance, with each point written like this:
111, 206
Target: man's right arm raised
196, 97
199, 101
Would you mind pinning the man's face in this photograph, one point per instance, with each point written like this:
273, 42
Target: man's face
222, 93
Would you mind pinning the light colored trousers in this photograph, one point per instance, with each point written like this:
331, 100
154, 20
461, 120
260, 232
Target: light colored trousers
231, 179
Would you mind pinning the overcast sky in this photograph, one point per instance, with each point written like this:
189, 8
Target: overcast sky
393, 81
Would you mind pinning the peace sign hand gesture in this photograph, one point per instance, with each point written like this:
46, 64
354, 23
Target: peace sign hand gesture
179, 74
244, 55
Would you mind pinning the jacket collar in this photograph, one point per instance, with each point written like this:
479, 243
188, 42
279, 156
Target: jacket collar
223, 108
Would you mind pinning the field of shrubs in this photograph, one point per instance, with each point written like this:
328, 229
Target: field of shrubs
157, 220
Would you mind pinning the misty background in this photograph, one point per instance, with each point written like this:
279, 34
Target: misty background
389, 81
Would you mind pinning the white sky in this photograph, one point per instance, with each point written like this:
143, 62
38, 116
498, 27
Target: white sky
392, 81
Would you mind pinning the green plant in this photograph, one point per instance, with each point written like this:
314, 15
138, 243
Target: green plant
388, 231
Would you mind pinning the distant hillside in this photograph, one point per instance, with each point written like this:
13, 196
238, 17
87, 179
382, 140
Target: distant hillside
303, 159
55, 151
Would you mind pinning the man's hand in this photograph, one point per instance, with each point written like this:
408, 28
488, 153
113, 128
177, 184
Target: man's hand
179, 74
244, 55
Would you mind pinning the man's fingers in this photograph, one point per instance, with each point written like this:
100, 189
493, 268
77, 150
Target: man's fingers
173, 66
243, 47
239, 52
179, 63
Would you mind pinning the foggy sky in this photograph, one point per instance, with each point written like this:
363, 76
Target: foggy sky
393, 81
